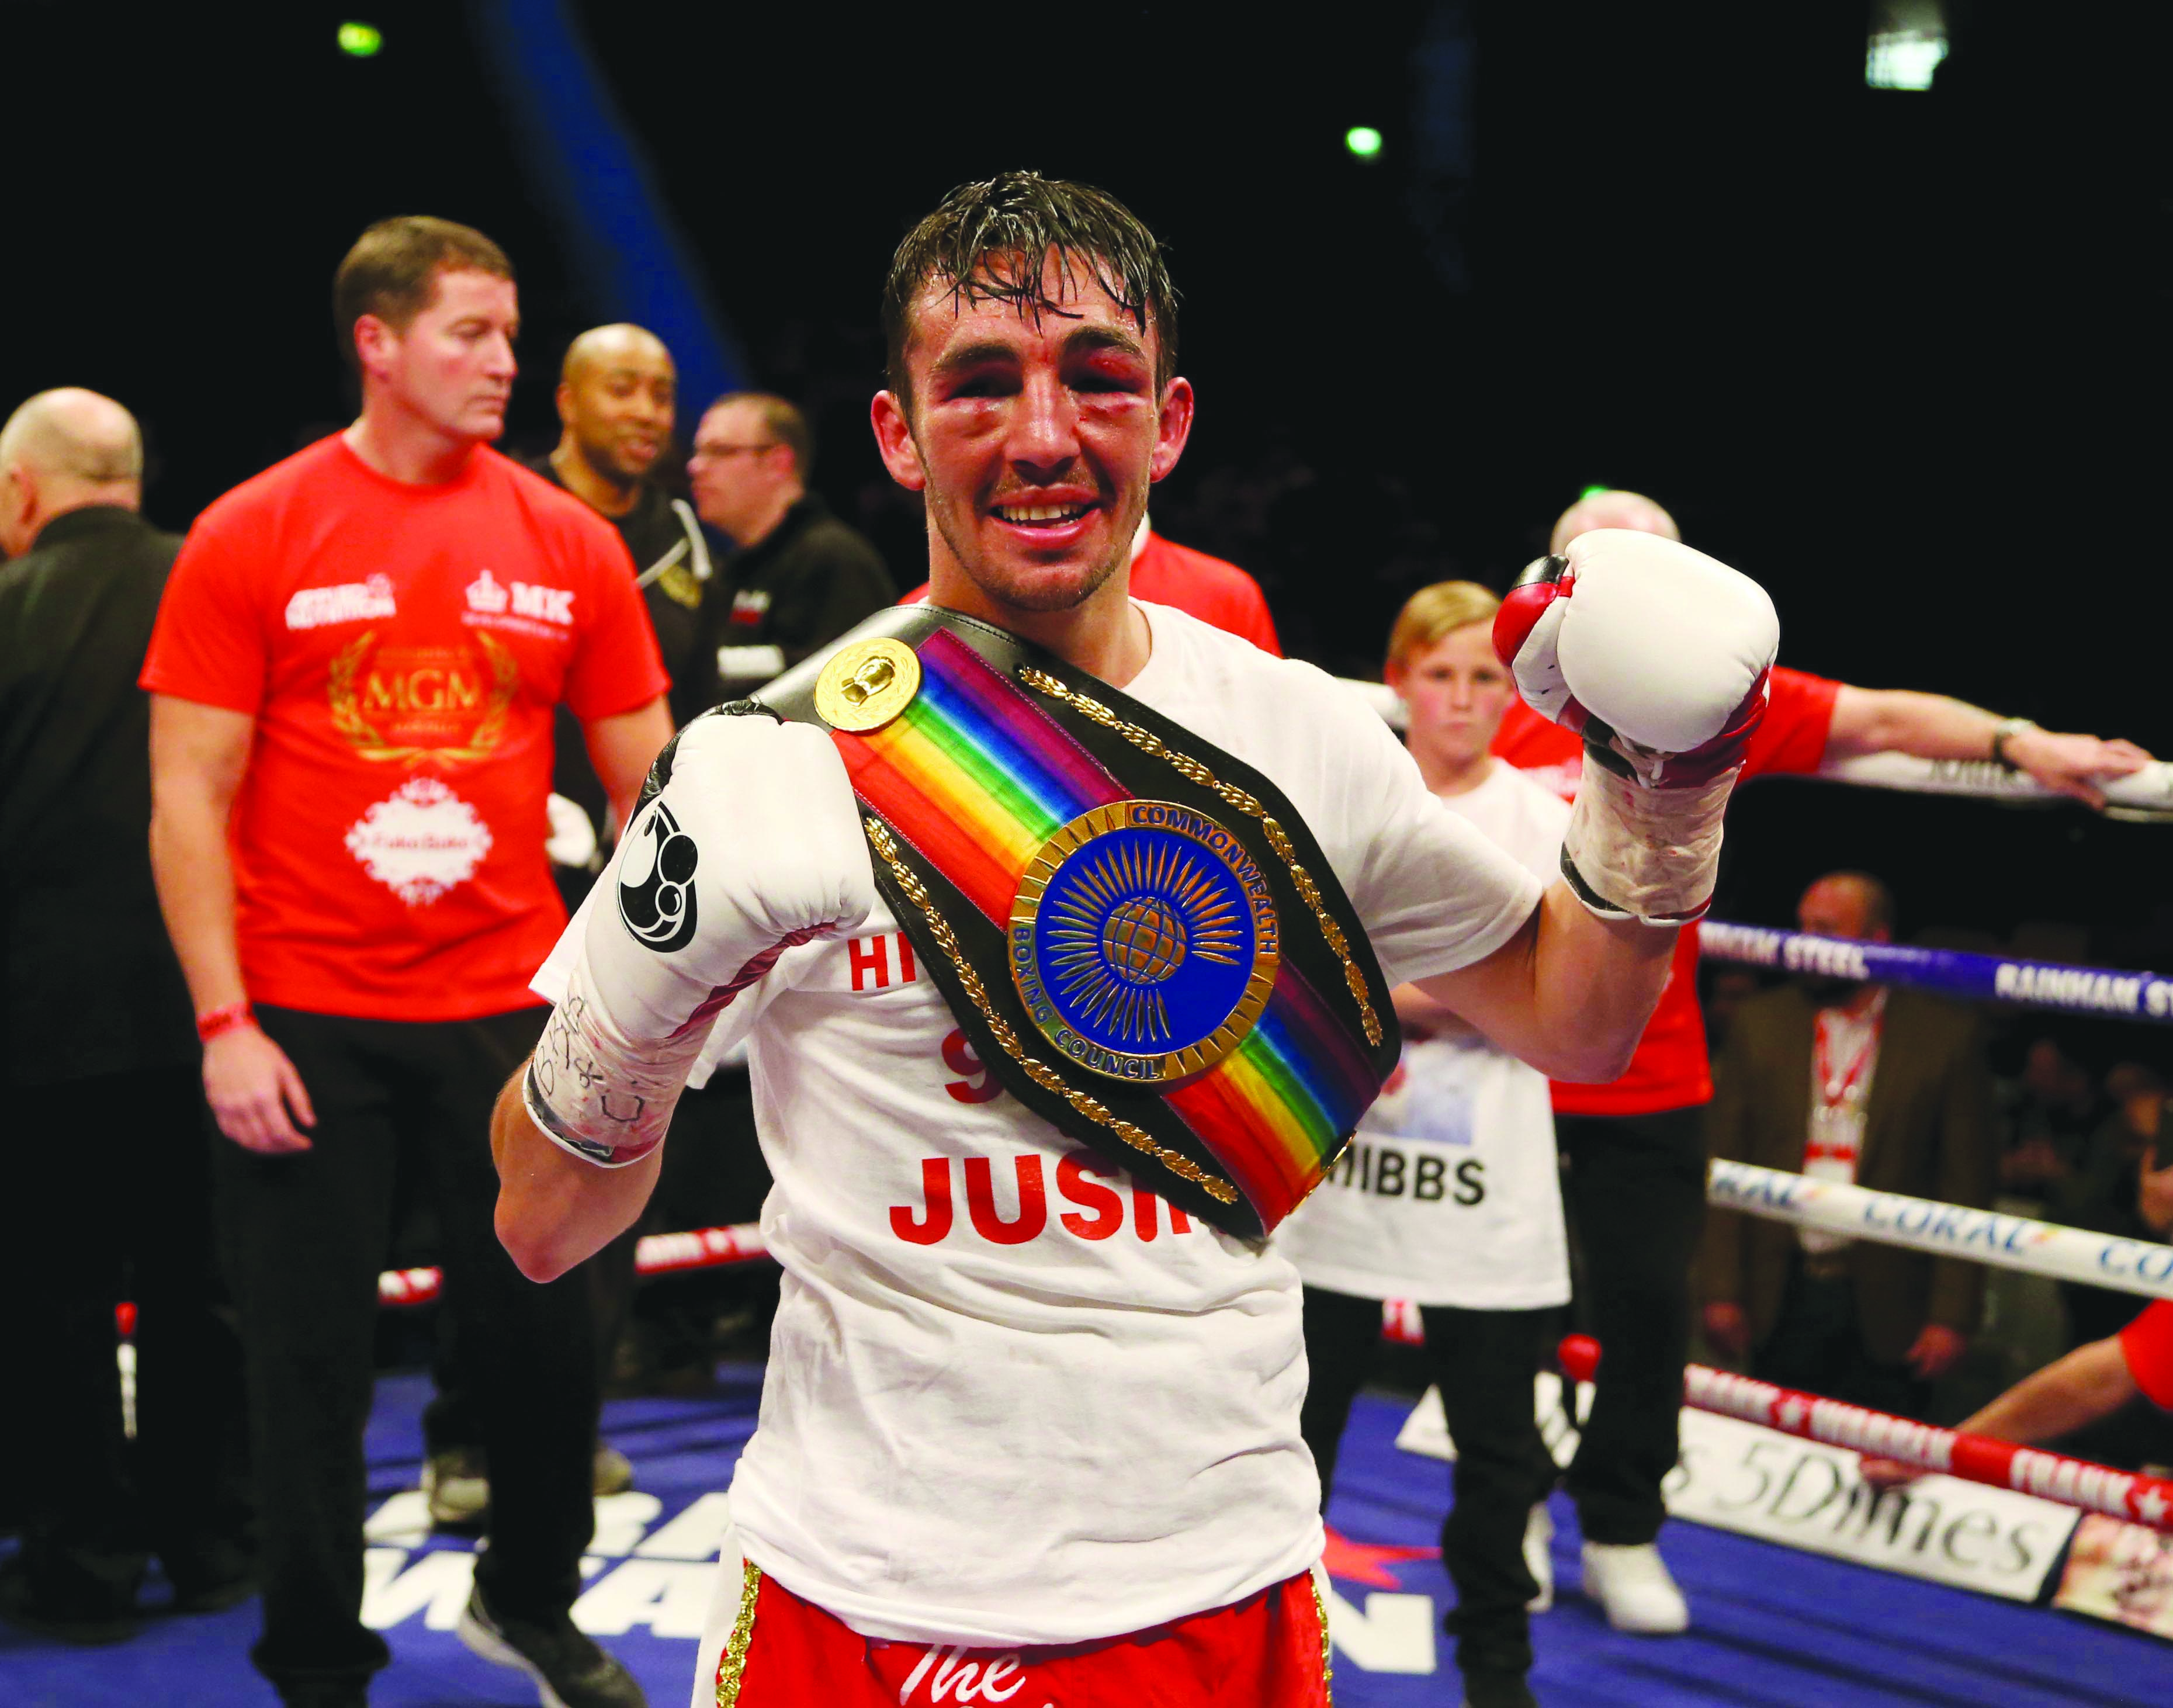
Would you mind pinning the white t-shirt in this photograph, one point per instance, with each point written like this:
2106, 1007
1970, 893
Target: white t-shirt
1012, 1399
1449, 1195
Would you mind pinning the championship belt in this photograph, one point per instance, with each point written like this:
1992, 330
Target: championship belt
1135, 930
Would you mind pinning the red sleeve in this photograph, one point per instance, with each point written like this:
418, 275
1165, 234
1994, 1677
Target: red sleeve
208, 644
617, 666
1528, 741
1792, 736
2146, 1344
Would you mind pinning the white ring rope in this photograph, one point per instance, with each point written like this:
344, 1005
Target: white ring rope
1944, 1230
2146, 797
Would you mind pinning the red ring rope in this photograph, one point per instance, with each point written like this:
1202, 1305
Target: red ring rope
2126, 1495
655, 1254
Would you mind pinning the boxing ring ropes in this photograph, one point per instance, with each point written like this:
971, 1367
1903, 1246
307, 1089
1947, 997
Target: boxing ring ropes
2006, 1242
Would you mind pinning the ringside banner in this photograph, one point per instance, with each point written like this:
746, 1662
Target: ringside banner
1758, 1482
2120, 1572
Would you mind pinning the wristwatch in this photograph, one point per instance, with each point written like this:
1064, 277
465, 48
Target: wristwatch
2005, 731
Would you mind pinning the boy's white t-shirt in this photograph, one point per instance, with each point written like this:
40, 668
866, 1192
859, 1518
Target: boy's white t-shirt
1012, 1398
1449, 1193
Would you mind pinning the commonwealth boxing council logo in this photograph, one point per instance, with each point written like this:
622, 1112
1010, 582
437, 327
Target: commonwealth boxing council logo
1144, 940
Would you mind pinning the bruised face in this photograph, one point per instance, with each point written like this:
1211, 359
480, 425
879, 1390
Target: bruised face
451, 367
1458, 692
1034, 440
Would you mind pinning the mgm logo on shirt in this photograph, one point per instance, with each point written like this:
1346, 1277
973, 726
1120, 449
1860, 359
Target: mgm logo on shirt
406, 704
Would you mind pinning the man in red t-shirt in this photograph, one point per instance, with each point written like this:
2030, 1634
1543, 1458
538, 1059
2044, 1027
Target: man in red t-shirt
1636, 1148
1211, 589
353, 676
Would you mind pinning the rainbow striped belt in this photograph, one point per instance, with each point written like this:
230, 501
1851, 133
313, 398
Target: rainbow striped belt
1135, 930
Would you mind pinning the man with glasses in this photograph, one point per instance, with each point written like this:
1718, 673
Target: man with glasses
800, 577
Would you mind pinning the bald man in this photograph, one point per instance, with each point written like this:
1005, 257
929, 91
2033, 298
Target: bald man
1635, 1150
1886, 1089
99, 1060
617, 400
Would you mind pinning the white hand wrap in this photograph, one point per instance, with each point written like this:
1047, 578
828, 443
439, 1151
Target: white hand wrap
1634, 852
753, 845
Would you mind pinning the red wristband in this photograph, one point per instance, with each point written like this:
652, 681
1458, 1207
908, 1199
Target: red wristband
219, 1021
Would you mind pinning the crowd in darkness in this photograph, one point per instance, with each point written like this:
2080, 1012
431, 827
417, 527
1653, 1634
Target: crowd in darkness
743, 565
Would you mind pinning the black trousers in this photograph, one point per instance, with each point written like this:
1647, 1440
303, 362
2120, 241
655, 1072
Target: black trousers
1483, 1362
1635, 1192
306, 1234
109, 1197
712, 1176
1817, 1345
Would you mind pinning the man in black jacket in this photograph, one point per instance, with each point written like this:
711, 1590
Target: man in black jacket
800, 577
110, 1186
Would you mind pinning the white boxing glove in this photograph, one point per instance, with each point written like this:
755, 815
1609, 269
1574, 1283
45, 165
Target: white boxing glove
748, 842
1658, 655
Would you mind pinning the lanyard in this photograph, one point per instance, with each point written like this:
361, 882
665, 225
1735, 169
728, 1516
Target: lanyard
1832, 1090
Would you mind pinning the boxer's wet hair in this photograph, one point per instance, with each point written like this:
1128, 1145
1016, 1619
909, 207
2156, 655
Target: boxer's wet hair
990, 241
392, 271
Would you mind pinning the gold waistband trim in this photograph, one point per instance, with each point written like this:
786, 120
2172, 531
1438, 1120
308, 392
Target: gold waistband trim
731, 1665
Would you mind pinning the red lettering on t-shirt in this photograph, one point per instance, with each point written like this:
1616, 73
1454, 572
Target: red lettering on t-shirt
981, 1202
975, 1084
869, 959
1072, 1181
927, 1227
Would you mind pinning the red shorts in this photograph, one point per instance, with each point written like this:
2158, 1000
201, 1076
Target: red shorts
1268, 1650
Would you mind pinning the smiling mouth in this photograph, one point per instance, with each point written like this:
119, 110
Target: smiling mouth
1042, 515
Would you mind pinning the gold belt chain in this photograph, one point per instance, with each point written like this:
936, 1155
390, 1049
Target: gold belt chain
1197, 774
1039, 1071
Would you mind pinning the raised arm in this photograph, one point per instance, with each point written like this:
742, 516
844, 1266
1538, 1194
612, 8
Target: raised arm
1933, 726
1659, 656
199, 754
753, 845
1570, 993
554, 1208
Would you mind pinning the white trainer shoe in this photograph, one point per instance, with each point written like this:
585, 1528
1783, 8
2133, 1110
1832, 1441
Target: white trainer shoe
1539, 1561
1633, 1584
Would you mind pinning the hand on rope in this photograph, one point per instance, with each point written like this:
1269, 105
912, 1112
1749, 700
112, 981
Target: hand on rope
1887, 1442
2078, 766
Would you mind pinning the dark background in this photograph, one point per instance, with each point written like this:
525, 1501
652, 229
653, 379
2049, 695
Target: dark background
1897, 355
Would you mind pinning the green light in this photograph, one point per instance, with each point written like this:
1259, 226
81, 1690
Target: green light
1592, 492
360, 41
1363, 141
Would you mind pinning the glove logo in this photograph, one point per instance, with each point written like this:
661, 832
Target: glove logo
659, 909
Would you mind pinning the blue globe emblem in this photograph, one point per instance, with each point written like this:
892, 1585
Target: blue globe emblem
1143, 941
1143, 949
